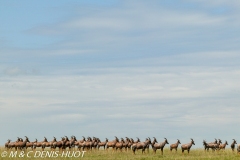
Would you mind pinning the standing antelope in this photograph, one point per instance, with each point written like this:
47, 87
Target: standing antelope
156, 145
233, 144
214, 146
59, 144
80, 143
119, 145
126, 143
21, 144
222, 146
12, 144
141, 145
40, 144
7, 143
102, 144
30, 144
238, 148
187, 146
112, 143
175, 145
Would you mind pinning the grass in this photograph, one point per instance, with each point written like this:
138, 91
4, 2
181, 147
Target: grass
195, 154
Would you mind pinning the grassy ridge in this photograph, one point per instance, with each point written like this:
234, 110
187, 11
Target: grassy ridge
109, 155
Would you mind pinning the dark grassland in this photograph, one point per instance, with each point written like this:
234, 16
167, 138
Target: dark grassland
109, 155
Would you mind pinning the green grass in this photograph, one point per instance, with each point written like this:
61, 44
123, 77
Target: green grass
109, 155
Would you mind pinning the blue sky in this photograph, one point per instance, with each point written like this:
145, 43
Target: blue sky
120, 68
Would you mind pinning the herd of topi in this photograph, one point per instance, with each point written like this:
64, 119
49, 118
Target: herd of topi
126, 144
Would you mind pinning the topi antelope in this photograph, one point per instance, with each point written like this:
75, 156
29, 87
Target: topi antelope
7, 143
141, 145
112, 143
175, 145
80, 143
233, 144
156, 145
102, 144
12, 144
21, 144
238, 148
187, 146
222, 146
30, 144
127, 143
214, 146
119, 145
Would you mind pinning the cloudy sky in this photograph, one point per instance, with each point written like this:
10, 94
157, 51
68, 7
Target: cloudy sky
120, 68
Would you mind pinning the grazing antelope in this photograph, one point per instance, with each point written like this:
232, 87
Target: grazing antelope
156, 145
141, 145
187, 146
222, 146
175, 145
233, 144
102, 144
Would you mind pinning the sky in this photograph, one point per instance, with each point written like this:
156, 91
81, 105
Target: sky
110, 68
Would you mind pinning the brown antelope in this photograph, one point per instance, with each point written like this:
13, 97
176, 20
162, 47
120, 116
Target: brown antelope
126, 142
80, 143
67, 143
30, 144
40, 144
12, 144
238, 148
175, 145
7, 143
50, 144
131, 142
141, 145
59, 144
214, 146
95, 143
119, 145
89, 143
72, 141
156, 145
233, 144
45, 143
21, 144
187, 146
112, 143
102, 144
222, 146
